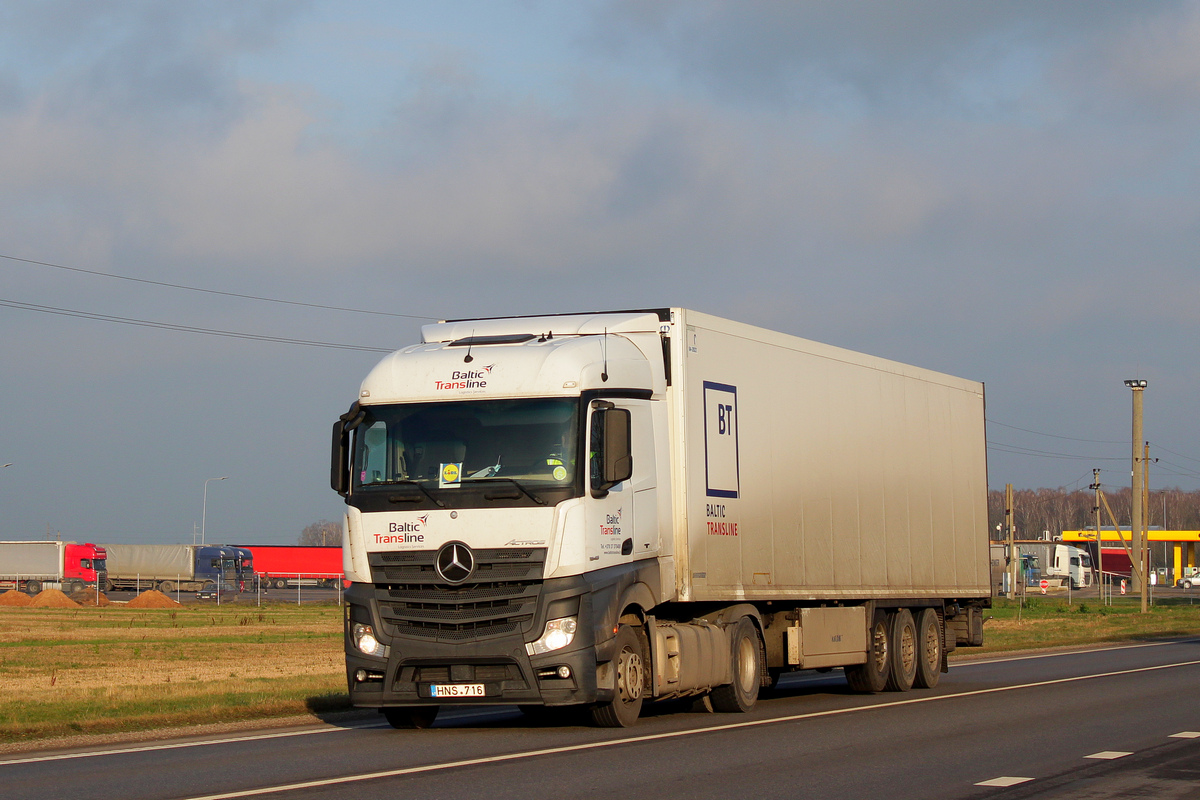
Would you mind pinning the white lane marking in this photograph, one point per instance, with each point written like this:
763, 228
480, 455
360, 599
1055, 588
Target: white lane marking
180, 745
447, 765
1185, 735
1109, 755
999, 659
1004, 781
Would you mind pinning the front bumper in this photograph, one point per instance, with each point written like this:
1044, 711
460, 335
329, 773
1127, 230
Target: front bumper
413, 665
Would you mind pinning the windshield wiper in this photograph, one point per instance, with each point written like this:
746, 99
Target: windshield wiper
399, 499
525, 491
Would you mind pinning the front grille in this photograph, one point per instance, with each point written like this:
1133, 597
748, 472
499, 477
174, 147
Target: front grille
499, 599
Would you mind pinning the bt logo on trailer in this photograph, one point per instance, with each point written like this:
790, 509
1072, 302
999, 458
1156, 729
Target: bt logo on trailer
721, 473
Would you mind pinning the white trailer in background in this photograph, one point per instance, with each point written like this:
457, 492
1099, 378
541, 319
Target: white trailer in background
603, 509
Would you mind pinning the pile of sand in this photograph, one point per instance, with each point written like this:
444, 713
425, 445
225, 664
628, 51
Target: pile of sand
14, 598
86, 598
52, 598
152, 598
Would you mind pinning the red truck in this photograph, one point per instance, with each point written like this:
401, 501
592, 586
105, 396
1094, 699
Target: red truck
283, 566
68, 566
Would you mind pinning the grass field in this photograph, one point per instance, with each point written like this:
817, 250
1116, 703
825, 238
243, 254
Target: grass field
99, 670
111, 669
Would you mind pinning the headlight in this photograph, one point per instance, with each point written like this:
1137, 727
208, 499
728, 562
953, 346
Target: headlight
365, 641
559, 633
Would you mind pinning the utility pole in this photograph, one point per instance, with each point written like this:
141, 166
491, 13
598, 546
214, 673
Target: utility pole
1136, 502
1146, 518
1011, 529
1099, 536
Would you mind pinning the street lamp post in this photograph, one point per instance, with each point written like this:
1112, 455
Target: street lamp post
204, 508
1138, 532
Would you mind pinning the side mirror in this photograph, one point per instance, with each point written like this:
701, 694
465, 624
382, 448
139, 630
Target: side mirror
339, 468
611, 449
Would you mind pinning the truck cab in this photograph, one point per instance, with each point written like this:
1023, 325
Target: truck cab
1072, 564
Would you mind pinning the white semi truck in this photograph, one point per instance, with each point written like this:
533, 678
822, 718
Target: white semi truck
605, 509
1071, 564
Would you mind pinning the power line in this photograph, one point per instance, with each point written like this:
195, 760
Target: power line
1054, 435
211, 291
1172, 452
67, 312
1027, 451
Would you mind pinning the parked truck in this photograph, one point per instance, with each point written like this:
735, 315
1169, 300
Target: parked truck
1072, 565
66, 566
604, 509
285, 566
167, 567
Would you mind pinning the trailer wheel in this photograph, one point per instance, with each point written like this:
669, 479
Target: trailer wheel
741, 694
873, 675
629, 662
904, 651
410, 716
929, 649
33, 587
280, 583
166, 587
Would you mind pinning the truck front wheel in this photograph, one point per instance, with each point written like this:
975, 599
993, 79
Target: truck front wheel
873, 675
741, 694
629, 683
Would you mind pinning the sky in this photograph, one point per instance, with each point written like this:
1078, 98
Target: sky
1000, 191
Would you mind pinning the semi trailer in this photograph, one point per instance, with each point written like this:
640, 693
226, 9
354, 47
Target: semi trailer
67, 566
606, 509
167, 567
285, 566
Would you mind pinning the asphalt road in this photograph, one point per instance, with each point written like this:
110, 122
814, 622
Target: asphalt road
1112, 722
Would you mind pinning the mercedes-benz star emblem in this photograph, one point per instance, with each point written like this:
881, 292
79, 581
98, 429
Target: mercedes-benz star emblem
455, 562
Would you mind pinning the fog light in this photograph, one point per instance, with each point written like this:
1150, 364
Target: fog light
360, 676
564, 671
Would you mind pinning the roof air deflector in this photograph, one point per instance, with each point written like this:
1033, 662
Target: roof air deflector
476, 341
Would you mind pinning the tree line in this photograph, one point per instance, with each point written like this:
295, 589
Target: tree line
1058, 510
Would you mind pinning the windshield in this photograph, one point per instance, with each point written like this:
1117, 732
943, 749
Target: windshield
460, 444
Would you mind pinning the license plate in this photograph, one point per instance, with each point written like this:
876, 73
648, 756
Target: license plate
456, 690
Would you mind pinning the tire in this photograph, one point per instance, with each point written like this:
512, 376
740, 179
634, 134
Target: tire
904, 651
873, 675
741, 694
33, 587
930, 646
166, 587
629, 662
410, 716
109, 586
280, 583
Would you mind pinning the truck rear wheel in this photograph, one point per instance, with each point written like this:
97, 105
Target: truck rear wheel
166, 587
904, 651
873, 675
33, 587
628, 683
741, 694
929, 649
410, 716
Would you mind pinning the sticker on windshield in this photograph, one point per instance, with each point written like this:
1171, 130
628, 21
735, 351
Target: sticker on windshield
560, 473
450, 475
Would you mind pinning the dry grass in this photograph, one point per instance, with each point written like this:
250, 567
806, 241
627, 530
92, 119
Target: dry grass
1051, 622
99, 670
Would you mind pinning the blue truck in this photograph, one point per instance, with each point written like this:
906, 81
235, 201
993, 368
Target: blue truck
167, 567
